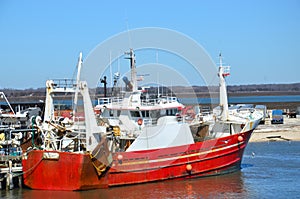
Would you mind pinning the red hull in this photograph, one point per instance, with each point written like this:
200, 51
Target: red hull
72, 171
69, 171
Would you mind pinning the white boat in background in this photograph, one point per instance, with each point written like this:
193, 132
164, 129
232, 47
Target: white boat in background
16, 119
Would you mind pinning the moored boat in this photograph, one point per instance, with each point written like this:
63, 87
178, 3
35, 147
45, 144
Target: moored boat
78, 157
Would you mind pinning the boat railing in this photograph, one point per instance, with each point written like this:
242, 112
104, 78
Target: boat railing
51, 141
243, 112
157, 101
109, 100
64, 83
144, 102
149, 102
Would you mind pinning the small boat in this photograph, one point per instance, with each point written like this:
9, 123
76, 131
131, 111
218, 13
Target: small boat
78, 156
19, 119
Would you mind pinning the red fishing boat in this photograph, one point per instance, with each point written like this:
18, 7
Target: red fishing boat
84, 155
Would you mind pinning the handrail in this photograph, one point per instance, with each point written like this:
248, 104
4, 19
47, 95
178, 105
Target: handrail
109, 100
145, 102
64, 83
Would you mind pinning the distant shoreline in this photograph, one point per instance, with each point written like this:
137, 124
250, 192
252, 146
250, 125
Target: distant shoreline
291, 105
238, 94
288, 131
39, 97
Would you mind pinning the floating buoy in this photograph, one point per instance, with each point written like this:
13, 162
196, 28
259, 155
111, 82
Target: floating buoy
189, 167
240, 138
120, 157
140, 121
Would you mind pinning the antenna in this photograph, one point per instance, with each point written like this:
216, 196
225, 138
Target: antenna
129, 38
171, 88
157, 75
157, 84
119, 64
110, 69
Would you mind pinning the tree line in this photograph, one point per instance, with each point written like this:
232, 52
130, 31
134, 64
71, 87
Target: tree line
295, 87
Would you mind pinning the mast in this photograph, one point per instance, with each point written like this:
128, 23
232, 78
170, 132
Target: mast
110, 69
157, 76
104, 82
223, 72
77, 84
157, 84
132, 69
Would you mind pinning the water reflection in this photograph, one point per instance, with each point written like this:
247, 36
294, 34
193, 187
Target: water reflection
225, 186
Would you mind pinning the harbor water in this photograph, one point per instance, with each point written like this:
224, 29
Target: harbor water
269, 170
243, 99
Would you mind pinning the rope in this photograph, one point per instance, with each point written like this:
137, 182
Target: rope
24, 172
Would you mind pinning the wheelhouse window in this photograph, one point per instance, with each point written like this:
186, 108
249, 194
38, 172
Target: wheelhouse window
145, 113
171, 112
135, 114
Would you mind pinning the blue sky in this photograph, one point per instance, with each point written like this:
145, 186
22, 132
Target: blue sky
42, 39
